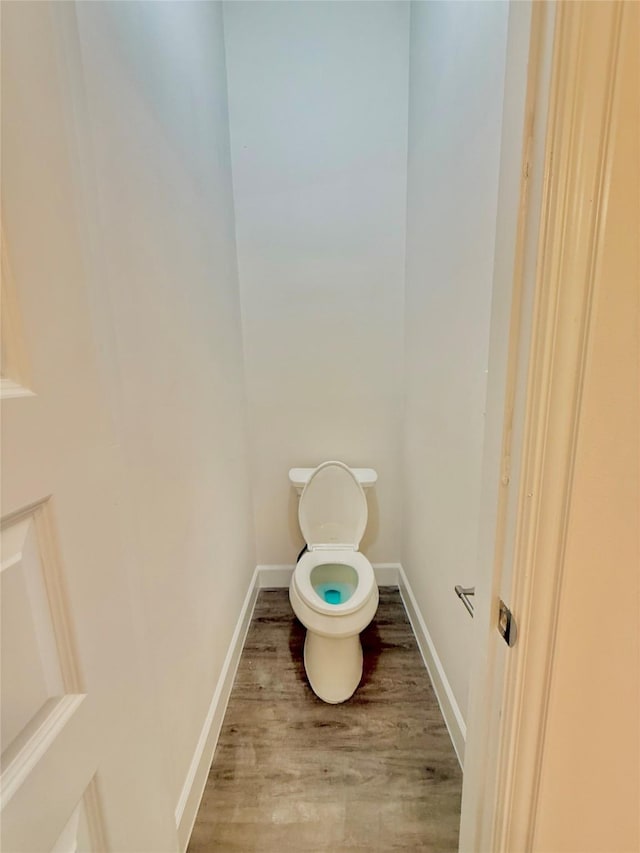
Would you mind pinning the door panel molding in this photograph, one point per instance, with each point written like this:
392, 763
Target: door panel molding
68, 727
54, 713
39, 735
41, 514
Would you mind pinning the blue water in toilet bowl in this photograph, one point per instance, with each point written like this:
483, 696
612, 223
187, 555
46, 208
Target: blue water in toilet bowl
334, 583
335, 592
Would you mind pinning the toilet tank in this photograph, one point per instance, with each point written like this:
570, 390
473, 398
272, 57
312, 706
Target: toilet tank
299, 476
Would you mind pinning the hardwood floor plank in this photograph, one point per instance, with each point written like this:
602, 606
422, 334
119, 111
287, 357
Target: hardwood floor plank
291, 773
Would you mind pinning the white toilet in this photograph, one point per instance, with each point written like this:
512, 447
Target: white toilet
333, 590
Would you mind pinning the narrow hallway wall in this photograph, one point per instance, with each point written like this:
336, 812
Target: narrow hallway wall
318, 111
455, 108
152, 123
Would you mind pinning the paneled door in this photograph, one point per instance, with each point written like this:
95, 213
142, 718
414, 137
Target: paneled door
49, 796
67, 650
48, 726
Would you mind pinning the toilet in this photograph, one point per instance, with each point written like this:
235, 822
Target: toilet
333, 591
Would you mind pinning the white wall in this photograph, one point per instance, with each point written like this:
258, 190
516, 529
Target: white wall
455, 106
318, 110
152, 131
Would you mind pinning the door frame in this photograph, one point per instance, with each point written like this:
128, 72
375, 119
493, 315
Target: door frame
563, 204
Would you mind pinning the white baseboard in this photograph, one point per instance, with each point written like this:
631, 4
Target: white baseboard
278, 577
193, 788
387, 574
447, 701
274, 577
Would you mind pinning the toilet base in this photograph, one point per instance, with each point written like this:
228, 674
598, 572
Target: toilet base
333, 666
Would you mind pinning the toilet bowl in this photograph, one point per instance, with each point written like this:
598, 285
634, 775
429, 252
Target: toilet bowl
333, 591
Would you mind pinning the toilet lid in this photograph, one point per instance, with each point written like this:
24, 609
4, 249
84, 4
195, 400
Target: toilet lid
333, 508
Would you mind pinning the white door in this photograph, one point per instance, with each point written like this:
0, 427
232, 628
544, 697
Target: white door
52, 496
78, 738
48, 723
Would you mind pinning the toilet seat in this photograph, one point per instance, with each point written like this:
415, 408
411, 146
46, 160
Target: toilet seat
363, 591
332, 511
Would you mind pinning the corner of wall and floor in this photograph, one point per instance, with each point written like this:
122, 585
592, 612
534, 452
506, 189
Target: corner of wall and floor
278, 577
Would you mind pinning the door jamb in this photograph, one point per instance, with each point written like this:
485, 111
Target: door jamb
519, 214
577, 164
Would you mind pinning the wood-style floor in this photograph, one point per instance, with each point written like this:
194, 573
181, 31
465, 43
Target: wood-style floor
292, 773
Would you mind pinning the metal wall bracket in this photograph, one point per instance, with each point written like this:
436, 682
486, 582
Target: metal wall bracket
463, 594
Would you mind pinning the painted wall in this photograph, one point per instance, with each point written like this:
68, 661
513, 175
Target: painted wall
458, 55
590, 781
318, 111
150, 116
